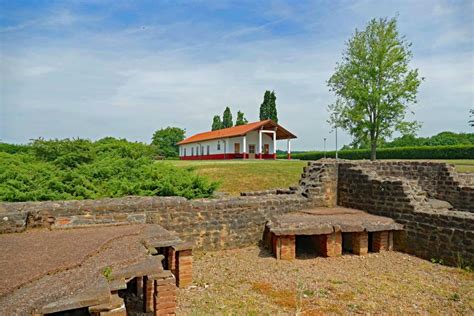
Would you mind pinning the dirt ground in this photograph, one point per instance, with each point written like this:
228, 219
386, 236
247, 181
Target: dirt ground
250, 281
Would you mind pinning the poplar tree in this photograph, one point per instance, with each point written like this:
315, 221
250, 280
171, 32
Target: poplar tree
264, 113
272, 110
227, 118
268, 107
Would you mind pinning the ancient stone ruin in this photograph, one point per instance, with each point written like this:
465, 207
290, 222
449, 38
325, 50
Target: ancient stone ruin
329, 231
127, 255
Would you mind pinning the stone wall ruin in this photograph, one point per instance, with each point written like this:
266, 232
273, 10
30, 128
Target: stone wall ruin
433, 202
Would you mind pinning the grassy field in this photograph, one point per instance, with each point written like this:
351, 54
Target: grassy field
236, 176
466, 165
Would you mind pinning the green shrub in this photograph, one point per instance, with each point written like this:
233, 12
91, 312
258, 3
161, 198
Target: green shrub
13, 148
422, 152
81, 169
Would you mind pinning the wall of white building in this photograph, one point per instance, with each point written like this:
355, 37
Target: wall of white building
225, 146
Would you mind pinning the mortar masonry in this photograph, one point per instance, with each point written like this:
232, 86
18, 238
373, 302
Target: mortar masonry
432, 201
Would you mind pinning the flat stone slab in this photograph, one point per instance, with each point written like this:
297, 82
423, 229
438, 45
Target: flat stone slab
322, 221
95, 294
61, 268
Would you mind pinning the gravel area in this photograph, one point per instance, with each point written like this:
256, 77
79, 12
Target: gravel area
251, 281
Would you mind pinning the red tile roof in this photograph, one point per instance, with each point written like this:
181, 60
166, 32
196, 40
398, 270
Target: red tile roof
235, 131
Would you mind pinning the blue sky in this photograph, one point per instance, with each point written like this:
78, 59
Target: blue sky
126, 68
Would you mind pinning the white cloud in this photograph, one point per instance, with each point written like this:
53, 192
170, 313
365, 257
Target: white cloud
128, 81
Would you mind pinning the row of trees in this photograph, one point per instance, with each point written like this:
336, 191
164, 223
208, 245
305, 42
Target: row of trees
226, 121
440, 139
267, 111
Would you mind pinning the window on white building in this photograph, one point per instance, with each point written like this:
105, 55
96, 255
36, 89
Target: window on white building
192, 151
218, 145
208, 149
184, 152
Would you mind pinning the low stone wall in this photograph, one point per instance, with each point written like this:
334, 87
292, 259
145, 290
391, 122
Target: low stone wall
430, 231
402, 190
210, 223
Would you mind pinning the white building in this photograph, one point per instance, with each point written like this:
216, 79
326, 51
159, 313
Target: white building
251, 141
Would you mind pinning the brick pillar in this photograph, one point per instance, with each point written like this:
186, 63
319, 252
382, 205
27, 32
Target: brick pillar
148, 294
171, 258
287, 247
380, 241
360, 243
165, 297
329, 245
184, 267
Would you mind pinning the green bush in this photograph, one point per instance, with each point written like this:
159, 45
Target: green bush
421, 152
13, 148
81, 169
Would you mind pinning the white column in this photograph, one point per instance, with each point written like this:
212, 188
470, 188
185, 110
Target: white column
260, 143
274, 143
244, 144
289, 149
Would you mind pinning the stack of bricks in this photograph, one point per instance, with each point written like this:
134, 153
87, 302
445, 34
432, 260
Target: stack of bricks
284, 247
382, 241
329, 245
360, 243
180, 263
160, 293
148, 293
165, 294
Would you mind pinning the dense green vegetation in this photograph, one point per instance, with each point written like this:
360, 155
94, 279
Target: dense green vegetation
81, 169
422, 152
166, 141
441, 139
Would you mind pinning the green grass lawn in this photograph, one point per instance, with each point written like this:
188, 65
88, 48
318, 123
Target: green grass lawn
251, 175
236, 176
466, 165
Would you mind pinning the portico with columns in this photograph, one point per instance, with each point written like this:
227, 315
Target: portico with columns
256, 140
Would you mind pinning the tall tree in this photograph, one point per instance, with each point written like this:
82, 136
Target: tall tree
227, 118
375, 84
166, 140
216, 123
241, 120
272, 110
264, 107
